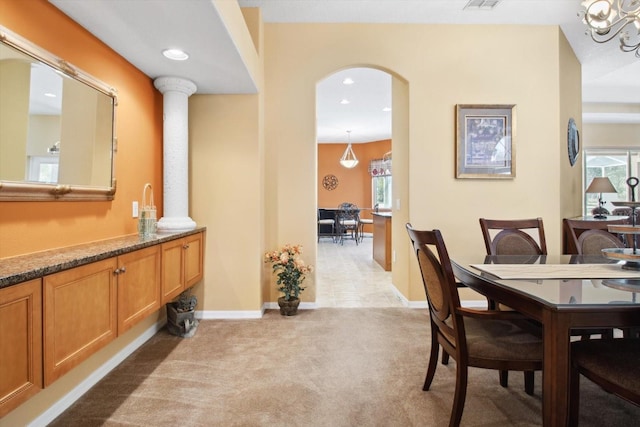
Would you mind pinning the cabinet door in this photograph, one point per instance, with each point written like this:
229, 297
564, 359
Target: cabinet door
79, 315
172, 269
20, 344
193, 259
138, 286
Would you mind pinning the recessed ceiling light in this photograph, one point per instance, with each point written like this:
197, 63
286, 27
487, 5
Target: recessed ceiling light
175, 54
386, 109
50, 95
344, 101
348, 81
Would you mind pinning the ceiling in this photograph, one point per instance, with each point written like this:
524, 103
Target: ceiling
140, 29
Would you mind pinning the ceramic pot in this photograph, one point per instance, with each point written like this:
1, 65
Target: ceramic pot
288, 308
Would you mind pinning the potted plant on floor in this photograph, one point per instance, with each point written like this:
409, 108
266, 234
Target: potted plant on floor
291, 271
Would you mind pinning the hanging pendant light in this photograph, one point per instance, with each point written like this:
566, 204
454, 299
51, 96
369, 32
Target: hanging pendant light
348, 159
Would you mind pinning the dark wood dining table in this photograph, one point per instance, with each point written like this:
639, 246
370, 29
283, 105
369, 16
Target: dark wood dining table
600, 294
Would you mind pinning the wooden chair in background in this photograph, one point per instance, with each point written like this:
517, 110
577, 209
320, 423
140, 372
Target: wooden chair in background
590, 237
512, 238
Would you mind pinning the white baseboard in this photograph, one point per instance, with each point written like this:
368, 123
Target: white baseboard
474, 304
229, 314
70, 398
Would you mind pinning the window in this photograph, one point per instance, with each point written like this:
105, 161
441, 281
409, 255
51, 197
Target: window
43, 169
381, 187
616, 164
380, 170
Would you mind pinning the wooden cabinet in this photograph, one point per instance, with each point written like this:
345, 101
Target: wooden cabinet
138, 277
87, 307
182, 265
382, 240
79, 315
54, 323
20, 344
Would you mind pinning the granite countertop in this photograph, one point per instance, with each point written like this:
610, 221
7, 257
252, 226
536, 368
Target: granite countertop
21, 268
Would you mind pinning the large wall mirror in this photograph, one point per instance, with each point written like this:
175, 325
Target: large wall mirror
57, 127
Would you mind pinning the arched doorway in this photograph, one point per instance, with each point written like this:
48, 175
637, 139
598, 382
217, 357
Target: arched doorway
353, 105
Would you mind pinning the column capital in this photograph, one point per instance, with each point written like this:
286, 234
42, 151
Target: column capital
178, 84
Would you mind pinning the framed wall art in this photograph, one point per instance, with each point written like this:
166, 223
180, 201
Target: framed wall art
485, 141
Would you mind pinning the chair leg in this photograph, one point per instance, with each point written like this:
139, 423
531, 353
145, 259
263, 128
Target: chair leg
574, 396
459, 395
445, 358
433, 363
504, 378
528, 382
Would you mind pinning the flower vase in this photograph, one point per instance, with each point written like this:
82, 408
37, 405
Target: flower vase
288, 308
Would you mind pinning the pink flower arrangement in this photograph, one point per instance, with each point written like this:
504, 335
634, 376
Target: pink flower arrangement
290, 268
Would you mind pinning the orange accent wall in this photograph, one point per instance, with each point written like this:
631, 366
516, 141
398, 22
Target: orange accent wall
354, 185
34, 226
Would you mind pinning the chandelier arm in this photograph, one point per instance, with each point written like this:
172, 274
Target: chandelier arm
605, 37
627, 14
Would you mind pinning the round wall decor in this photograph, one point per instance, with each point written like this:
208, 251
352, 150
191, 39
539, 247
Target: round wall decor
330, 182
573, 141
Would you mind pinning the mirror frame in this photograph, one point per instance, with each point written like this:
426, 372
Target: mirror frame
33, 191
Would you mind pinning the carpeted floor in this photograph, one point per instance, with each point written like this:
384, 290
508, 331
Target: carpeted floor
324, 367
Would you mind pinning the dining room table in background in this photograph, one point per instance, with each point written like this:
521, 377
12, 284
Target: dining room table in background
561, 292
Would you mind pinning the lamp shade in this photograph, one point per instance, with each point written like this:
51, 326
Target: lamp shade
348, 159
601, 185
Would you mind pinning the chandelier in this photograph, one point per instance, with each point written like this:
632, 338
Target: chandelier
348, 159
607, 19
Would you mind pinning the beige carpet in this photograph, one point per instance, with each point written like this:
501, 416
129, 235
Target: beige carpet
324, 367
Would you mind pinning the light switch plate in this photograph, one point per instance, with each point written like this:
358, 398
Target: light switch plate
134, 209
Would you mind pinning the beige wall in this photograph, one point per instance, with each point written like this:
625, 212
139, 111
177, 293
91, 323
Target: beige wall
227, 181
503, 65
570, 96
610, 135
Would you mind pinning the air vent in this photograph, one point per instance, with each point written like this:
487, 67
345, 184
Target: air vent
481, 4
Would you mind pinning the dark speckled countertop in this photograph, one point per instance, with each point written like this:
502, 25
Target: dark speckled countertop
21, 268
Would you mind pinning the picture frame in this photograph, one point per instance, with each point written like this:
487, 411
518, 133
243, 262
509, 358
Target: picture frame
485, 141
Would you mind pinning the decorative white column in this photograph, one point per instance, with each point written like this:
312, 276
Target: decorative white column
176, 92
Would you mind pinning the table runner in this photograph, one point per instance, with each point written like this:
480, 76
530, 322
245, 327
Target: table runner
557, 271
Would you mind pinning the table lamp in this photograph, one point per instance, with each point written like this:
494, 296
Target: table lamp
600, 185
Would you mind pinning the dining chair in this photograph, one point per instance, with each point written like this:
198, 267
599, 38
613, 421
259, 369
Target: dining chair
326, 220
611, 363
590, 237
347, 221
513, 236
473, 338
